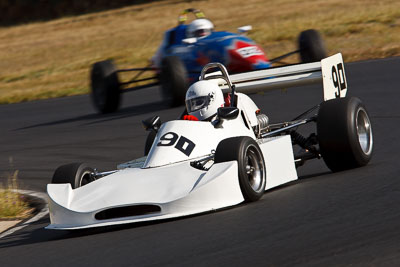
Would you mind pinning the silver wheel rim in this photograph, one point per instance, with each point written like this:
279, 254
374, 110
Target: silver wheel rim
364, 131
254, 169
86, 178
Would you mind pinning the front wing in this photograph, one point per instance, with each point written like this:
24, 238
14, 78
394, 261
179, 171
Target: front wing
136, 195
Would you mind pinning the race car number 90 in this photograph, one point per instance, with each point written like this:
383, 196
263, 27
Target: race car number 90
338, 78
182, 143
334, 77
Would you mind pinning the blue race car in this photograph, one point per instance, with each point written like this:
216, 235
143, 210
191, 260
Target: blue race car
184, 51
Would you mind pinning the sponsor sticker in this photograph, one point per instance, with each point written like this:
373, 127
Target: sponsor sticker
249, 51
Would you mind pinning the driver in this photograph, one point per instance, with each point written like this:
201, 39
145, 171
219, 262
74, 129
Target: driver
199, 28
203, 99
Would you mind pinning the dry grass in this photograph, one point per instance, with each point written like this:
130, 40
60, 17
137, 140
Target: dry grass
13, 204
52, 59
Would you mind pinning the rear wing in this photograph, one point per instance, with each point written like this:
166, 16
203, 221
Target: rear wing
330, 71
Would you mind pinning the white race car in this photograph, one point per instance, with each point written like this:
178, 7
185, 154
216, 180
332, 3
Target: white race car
199, 166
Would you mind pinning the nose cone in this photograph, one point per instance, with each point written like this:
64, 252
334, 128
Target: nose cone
246, 56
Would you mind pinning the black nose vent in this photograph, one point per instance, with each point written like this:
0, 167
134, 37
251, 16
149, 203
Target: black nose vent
127, 211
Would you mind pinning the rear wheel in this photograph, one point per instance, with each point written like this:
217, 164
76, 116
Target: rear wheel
76, 174
105, 86
174, 81
311, 46
251, 166
344, 133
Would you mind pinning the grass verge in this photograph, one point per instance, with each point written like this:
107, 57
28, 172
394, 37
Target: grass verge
12, 204
52, 59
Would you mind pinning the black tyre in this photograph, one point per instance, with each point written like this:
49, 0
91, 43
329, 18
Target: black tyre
174, 81
311, 46
76, 174
149, 142
251, 166
344, 133
105, 86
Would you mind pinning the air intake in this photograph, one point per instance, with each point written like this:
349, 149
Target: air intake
127, 211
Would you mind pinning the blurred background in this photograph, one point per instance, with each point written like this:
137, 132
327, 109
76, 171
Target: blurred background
48, 46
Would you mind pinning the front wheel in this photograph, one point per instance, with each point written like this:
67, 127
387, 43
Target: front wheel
174, 81
311, 46
105, 86
251, 166
344, 133
76, 174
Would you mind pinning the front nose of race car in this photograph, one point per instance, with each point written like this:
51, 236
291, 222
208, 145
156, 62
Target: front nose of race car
245, 56
135, 195
63, 216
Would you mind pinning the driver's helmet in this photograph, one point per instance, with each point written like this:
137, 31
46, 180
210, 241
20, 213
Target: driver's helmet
203, 99
199, 28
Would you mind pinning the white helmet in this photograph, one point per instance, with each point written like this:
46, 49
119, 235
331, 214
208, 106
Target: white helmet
203, 98
199, 28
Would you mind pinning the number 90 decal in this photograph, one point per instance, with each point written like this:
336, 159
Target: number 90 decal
182, 143
334, 77
338, 78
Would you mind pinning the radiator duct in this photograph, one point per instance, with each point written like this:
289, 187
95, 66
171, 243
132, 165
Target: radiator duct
127, 211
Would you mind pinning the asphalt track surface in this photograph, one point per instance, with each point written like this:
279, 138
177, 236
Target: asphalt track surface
324, 219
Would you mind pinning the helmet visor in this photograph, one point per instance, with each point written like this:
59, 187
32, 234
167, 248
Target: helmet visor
201, 32
197, 103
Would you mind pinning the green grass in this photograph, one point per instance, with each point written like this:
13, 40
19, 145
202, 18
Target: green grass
52, 59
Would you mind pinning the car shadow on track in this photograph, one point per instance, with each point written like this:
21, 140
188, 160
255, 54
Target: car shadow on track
100, 118
41, 235
314, 175
299, 180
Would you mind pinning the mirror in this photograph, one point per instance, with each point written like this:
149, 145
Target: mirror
244, 29
152, 123
228, 113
